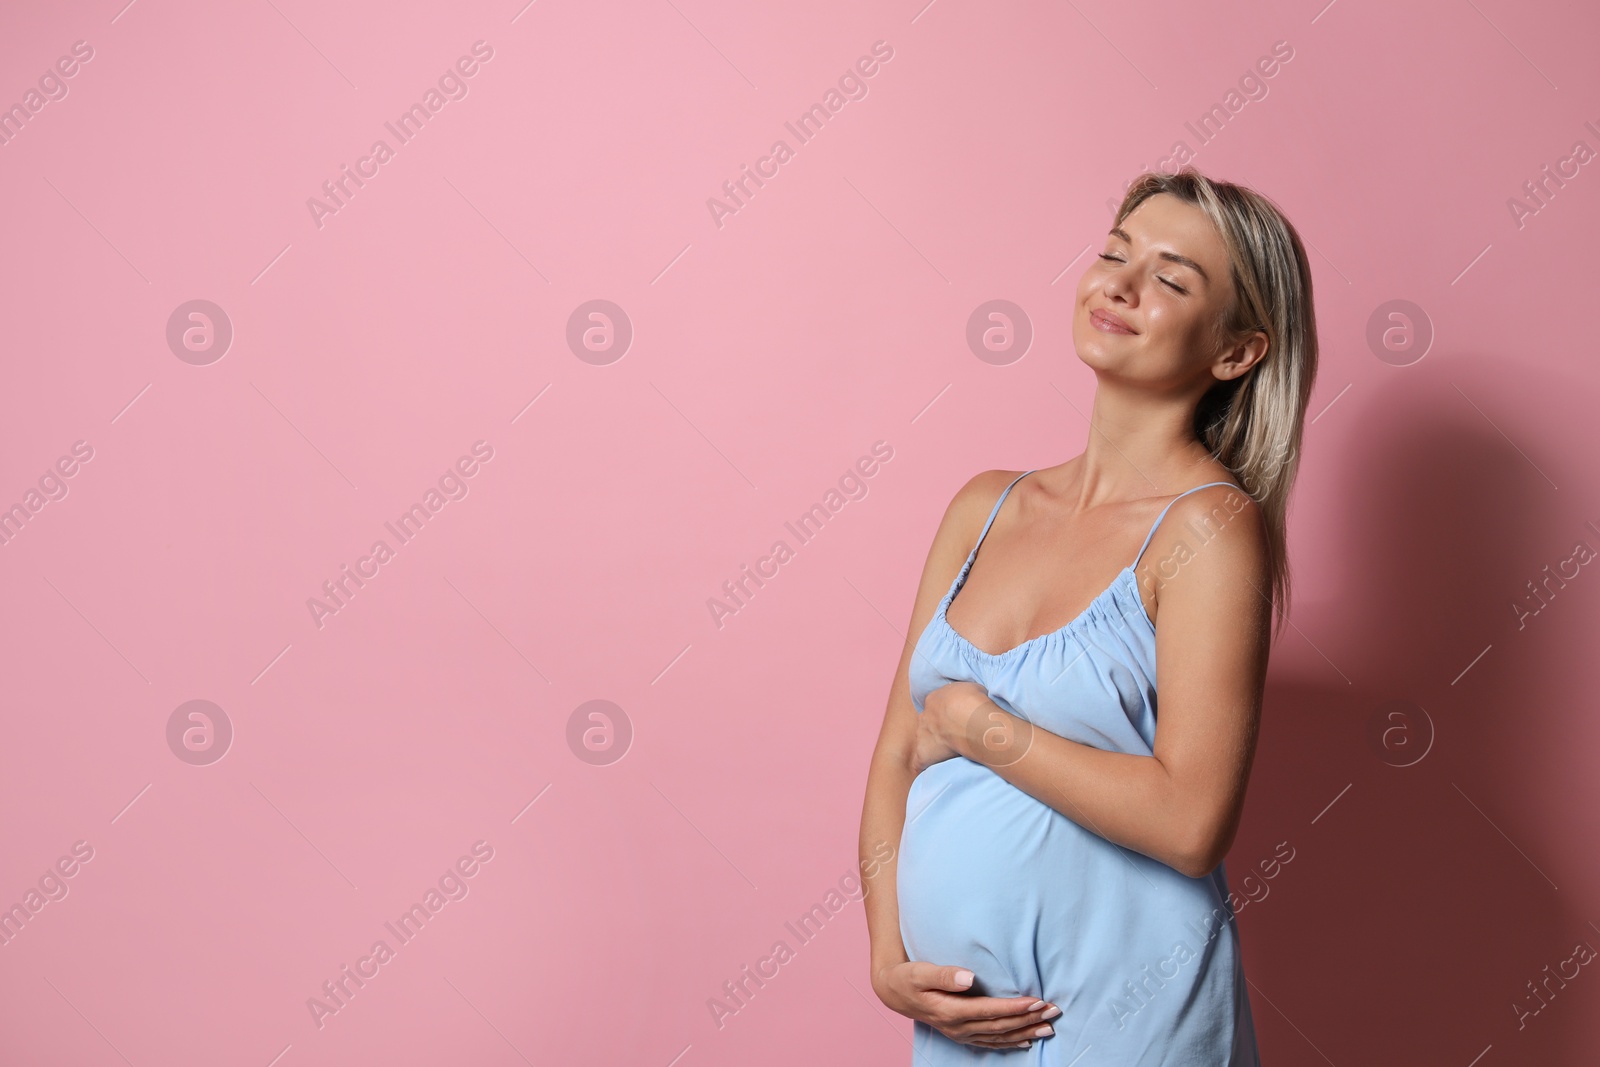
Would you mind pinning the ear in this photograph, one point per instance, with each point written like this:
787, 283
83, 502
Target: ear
1240, 357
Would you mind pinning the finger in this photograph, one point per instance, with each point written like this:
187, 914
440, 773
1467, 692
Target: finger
1009, 1023
1016, 1026
987, 1042
1030, 1032
984, 1040
948, 979
999, 1009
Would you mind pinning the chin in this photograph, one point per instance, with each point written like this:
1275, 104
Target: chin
1090, 352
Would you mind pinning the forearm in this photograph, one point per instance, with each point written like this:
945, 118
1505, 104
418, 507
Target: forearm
883, 814
1128, 799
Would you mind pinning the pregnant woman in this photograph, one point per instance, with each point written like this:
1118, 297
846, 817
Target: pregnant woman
1058, 894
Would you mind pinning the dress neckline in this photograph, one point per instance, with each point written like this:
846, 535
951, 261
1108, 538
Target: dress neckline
1126, 575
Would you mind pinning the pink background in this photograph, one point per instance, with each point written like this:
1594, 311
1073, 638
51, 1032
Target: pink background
768, 354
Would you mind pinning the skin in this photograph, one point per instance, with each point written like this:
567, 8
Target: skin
1062, 535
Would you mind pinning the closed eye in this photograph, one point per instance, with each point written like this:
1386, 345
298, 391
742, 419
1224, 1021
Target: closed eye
1174, 285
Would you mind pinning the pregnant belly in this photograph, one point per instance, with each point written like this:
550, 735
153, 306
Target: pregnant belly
991, 879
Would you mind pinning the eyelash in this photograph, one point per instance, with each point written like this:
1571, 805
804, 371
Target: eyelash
1177, 288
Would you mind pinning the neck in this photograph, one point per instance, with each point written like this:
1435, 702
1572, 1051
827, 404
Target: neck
1140, 443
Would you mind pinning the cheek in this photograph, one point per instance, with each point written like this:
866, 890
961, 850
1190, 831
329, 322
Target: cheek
1171, 326
1089, 291
1081, 293
1089, 281
1179, 339
1166, 342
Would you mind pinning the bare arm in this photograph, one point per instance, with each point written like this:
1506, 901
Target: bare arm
1182, 804
928, 991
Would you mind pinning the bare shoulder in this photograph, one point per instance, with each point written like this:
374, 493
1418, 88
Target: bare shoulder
958, 531
1230, 498
972, 503
963, 520
1211, 545
1224, 516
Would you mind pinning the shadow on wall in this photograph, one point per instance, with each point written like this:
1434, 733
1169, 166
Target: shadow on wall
1456, 874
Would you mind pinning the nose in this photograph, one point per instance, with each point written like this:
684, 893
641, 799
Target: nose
1116, 287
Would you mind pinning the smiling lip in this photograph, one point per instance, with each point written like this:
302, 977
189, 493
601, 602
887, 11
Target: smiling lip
1108, 322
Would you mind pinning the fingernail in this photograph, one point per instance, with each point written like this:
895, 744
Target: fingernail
963, 978
1036, 1005
1044, 1031
1052, 1013
1026, 1044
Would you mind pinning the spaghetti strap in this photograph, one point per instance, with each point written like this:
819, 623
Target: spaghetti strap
996, 510
1163, 515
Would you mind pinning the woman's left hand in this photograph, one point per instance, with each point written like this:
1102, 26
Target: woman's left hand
942, 726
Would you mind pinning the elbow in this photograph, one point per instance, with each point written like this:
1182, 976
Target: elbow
1194, 864
1199, 853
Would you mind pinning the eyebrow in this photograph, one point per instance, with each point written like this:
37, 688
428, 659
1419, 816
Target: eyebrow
1118, 231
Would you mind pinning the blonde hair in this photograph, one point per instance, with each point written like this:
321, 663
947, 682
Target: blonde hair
1254, 423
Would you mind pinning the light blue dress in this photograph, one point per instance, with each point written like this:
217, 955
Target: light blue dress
1142, 960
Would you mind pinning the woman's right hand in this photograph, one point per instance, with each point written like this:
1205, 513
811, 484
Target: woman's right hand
933, 994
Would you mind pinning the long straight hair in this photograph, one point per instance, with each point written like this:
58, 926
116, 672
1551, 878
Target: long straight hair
1254, 423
